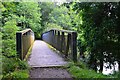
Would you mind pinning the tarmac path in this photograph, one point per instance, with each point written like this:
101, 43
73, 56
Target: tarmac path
45, 62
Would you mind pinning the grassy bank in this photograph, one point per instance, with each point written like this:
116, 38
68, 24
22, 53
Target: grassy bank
80, 70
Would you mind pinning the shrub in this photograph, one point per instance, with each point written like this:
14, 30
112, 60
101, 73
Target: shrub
11, 67
20, 75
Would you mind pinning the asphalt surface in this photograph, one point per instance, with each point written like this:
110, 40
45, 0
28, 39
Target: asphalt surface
44, 63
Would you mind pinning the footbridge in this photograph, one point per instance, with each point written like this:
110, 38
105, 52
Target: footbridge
54, 48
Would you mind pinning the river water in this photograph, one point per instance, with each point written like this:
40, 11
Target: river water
108, 71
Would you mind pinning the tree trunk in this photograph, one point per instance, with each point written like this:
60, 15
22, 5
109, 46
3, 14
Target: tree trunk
95, 65
119, 64
101, 65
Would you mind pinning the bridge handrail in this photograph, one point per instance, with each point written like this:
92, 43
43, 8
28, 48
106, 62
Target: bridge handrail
24, 31
63, 40
24, 40
66, 31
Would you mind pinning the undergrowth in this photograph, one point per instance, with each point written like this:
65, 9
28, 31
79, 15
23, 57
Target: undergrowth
14, 69
80, 70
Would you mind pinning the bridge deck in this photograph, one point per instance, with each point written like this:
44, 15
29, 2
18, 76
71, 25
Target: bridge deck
43, 56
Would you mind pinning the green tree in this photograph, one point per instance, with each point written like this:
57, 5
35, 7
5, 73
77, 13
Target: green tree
99, 32
29, 16
46, 9
9, 29
60, 16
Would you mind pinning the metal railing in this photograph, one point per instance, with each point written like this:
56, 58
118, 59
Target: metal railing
24, 40
63, 40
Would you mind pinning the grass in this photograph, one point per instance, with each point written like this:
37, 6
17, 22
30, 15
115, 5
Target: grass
84, 73
20, 74
80, 70
17, 75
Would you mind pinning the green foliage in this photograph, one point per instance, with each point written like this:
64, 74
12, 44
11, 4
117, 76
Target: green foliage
9, 36
17, 75
29, 16
81, 65
97, 25
8, 12
20, 75
1, 41
79, 70
8, 65
2, 8
23, 65
10, 61
98, 31
10, 29
46, 9
60, 16
14, 67
50, 26
118, 75
9, 47
84, 73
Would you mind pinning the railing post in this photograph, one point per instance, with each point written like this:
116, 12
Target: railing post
74, 46
55, 38
68, 44
52, 37
63, 43
19, 44
58, 40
